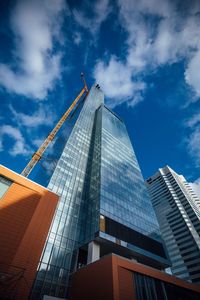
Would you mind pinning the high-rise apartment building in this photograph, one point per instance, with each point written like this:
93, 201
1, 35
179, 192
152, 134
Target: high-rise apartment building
178, 212
104, 206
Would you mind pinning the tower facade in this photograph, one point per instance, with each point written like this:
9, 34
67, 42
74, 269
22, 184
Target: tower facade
178, 212
104, 206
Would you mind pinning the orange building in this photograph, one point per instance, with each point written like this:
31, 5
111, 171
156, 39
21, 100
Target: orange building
116, 278
26, 212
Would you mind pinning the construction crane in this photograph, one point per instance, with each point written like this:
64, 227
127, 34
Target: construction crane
39, 153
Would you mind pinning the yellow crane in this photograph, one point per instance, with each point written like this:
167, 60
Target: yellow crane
39, 153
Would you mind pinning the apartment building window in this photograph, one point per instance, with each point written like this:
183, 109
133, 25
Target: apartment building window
4, 185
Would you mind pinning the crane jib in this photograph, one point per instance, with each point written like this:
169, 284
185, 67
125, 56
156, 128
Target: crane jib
38, 154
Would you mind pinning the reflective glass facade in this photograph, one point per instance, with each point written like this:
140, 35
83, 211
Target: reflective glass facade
69, 181
4, 185
148, 288
46, 168
97, 176
123, 193
117, 192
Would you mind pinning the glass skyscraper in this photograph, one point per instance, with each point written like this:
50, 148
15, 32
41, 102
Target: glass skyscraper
104, 206
178, 212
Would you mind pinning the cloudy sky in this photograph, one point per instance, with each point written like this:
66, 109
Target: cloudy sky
144, 54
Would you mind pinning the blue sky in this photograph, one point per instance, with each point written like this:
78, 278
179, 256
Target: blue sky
144, 54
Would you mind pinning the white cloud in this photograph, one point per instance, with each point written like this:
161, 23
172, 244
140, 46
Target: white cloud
99, 11
192, 74
36, 26
193, 121
1, 144
162, 8
38, 142
115, 78
175, 37
193, 139
147, 39
42, 116
27, 123
158, 33
19, 147
77, 38
193, 143
196, 186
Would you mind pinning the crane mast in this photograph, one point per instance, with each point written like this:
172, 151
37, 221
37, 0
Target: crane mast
39, 153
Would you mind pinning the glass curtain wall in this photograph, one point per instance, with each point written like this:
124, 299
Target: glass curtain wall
116, 191
123, 193
68, 180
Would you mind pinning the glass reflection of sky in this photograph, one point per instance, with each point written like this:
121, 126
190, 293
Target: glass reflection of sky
68, 180
123, 193
97, 173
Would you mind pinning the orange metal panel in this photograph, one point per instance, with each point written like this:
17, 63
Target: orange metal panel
111, 278
26, 212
